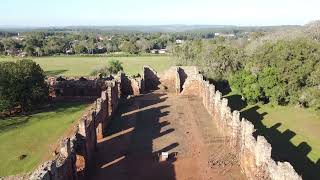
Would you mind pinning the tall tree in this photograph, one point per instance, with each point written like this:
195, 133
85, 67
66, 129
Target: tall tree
22, 83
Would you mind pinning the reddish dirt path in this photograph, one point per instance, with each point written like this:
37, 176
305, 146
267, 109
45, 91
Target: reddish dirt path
160, 122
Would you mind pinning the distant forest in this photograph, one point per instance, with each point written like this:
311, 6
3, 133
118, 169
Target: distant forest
114, 39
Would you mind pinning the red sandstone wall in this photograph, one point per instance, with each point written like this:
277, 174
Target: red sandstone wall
131, 86
76, 154
254, 154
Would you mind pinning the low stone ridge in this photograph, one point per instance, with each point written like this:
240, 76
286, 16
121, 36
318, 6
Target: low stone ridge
76, 153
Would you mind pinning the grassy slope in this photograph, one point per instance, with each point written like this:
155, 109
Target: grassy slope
33, 136
82, 66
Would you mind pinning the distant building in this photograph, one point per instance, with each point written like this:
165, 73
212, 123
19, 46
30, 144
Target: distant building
225, 35
69, 51
158, 51
179, 41
162, 51
154, 51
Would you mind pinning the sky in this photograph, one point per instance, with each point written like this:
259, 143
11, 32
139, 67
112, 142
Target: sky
43, 13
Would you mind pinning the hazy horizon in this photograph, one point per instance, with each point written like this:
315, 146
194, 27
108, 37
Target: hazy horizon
59, 13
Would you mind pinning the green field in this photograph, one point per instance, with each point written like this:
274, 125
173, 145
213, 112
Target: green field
305, 123
34, 136
83, 66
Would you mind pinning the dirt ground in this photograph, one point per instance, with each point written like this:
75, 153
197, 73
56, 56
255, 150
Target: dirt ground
159, 122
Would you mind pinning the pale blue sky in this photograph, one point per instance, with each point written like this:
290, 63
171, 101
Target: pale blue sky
146, 12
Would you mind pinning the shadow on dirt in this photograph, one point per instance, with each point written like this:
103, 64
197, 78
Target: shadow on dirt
127, 151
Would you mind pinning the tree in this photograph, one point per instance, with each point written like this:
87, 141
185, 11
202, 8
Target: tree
55, 45
80, 48
247, 85
29, 50
10, 46
1, 48
313, 29
91, 46
129, 47
22, 83
273, 88
143, 45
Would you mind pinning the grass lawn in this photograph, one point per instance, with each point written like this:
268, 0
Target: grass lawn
290, 124
34, 136
293, 133
83, 66
305, 123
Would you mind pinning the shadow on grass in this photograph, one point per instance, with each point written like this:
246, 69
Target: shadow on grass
55, 72
221, 85
9, 123
282, 148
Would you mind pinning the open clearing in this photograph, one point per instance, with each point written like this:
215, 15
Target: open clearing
26, 141
83, 66
159, 122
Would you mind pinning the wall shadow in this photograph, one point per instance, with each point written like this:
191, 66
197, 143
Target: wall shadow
221, 85
128, 151
55, 72
182, 76
282, 148
152, 81
235, 102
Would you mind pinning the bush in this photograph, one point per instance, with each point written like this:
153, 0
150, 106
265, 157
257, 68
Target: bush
100, 71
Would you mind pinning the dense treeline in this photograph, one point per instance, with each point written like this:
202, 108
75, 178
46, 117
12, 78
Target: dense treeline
112, 40
280, 67
54, 43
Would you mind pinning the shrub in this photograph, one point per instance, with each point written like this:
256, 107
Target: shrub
310, 97
113, 67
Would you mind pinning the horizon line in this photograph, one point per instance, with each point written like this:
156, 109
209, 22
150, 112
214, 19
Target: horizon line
138, 25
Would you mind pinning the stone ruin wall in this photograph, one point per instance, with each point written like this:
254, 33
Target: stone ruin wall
169, 79
76, 153
84, 88
254, 154
131, 86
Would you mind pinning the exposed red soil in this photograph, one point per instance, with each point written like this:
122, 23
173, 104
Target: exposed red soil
159, 122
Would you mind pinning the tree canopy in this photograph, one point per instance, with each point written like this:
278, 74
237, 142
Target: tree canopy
22, 84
